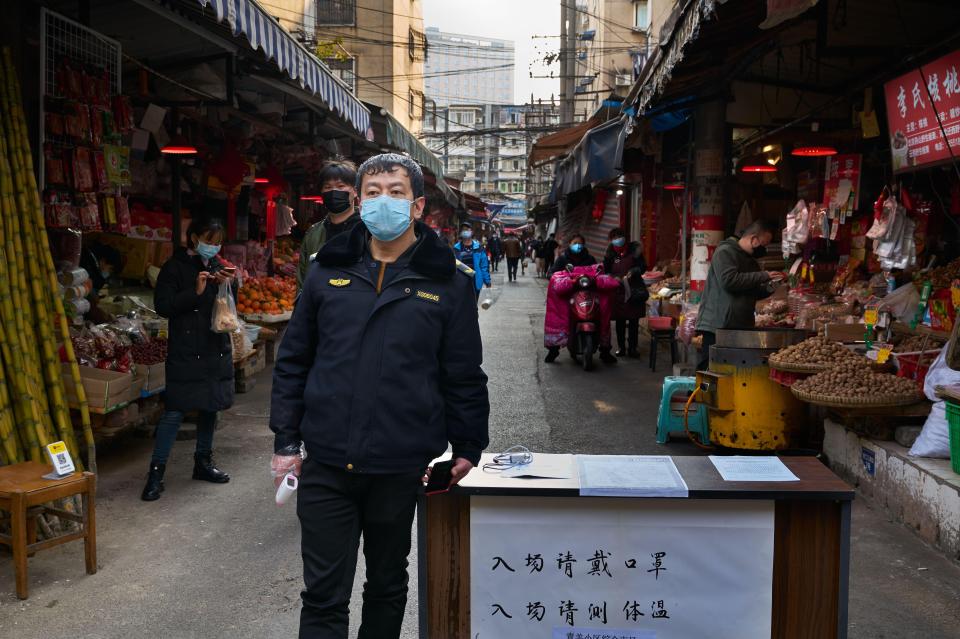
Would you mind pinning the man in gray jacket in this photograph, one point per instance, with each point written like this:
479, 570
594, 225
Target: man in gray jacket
734, 284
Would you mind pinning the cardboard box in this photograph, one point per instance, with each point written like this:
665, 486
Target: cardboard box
843, 332
104, 389
155, 377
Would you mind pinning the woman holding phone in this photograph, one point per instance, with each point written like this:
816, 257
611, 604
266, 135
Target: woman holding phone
199, 366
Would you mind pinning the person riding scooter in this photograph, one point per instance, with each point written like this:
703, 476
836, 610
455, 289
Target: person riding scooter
558, 327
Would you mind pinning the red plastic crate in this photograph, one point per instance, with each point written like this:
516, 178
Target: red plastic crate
659, 323
915, 365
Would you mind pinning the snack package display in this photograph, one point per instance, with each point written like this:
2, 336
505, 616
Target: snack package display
224, 318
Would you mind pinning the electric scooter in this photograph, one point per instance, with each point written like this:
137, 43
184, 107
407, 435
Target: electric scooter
585, 320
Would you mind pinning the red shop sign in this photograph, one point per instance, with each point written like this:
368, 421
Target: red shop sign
913, 102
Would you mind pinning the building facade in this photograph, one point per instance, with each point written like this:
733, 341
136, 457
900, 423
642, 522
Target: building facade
467, 69
612, 43
377, 47
485, 146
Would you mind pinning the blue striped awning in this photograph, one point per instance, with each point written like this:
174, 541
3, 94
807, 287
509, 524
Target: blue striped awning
247, 17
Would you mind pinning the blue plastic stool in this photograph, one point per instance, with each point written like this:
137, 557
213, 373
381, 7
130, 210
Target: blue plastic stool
670, 420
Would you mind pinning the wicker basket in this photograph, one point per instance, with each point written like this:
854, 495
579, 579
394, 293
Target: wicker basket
832, 401
794, 367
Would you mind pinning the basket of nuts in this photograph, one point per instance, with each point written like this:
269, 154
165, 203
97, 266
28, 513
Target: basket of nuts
852, 384
811, 356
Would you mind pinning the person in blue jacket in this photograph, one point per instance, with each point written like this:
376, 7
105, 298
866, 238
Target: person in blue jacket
470, 252
379, 370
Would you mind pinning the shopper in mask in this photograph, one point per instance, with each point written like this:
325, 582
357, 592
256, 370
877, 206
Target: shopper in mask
199, 369
734, 284
575, 255
470, 252
337, 186
378, 371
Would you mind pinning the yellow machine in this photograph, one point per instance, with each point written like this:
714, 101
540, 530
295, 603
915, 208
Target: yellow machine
747, 409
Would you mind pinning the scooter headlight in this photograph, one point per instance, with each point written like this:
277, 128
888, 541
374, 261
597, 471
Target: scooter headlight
584, 282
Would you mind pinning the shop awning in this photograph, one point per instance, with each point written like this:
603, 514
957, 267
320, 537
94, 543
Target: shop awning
399, 137
597, 158
263, 32
559, 143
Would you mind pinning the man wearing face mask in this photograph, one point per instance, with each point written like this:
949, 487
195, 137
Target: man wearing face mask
470, 252
378, 371
575, 255
339, 195
734, 284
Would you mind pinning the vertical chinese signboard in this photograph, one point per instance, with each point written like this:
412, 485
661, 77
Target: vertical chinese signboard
914, 102
620, 568
841, 179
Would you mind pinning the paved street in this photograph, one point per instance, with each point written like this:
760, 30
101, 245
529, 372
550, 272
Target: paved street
223, 561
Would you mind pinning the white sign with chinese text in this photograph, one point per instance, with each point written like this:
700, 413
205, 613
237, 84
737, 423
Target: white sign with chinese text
60, 458
545, 567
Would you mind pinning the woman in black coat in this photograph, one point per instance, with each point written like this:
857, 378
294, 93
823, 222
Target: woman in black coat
624, 260
575, 255
199, 366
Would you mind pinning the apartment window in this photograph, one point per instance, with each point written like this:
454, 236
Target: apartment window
346, 70
336, 12
516, 165
503, 187
641, 14
417, 45
416, 107
466, 118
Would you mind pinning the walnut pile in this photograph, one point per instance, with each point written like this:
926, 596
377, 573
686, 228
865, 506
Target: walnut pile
815, 350
916, 342
853, 379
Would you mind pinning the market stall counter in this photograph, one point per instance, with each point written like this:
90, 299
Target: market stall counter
550, 557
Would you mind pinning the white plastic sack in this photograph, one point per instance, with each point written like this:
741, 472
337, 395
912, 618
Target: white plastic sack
934, 439
903, 302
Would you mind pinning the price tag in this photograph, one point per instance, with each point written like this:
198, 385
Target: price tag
60, 458
870, 317
883, 355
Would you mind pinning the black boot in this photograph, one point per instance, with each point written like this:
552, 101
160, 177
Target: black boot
552, 354
151, 492
204, 470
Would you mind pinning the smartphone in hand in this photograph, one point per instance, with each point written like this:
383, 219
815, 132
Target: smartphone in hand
440, 478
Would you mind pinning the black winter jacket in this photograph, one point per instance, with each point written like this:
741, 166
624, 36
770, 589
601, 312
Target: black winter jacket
199, 361
380, 383
583, 258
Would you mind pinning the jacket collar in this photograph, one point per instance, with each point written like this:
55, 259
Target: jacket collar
431, 256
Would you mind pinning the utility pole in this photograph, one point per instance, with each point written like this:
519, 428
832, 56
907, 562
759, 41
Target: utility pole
568, 51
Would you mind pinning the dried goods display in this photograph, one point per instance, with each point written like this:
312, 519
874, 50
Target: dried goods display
812, 355
941, 276
150, 352
915, 343
853, 383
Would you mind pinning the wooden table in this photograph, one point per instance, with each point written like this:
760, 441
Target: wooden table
23, 488
811, 553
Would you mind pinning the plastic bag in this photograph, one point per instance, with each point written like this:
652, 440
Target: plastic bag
934, 439
224, 317
902, 302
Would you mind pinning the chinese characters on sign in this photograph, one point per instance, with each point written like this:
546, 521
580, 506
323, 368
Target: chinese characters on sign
918, 104
602, 567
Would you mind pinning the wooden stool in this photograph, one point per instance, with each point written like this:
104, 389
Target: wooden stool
23, 493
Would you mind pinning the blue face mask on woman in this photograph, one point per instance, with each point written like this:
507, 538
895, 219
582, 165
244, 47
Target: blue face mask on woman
576, 248
620, 241
387, 218
207, 251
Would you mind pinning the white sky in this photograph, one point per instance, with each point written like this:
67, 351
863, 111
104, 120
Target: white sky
515, 20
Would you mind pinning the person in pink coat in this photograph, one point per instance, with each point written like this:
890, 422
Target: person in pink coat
556, 325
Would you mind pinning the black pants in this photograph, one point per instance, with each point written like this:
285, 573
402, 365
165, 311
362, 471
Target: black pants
709, 339
628, 334
335, 507
496, 262
512, 264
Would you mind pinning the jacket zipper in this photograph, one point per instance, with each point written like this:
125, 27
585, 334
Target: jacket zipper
383, 270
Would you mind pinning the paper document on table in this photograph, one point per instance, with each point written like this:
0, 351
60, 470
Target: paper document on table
543, 466
746, 468
630, 476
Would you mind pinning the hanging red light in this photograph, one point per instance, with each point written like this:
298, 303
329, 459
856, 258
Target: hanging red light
261, 180
813, 151
178, 145
758, 168
674, 186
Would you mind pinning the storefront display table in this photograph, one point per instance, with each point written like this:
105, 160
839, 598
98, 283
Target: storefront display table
25, 494
807, 541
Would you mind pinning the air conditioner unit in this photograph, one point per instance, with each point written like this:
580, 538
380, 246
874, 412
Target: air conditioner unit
624, 80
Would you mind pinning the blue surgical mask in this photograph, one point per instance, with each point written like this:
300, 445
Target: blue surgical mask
467, 235
620, 241
207, 251
576, 248
387, 218
105, 275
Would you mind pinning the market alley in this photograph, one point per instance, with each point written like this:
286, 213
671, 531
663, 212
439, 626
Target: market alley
210, 561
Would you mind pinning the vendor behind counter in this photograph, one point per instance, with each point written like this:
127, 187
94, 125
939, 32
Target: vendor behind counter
101, 262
